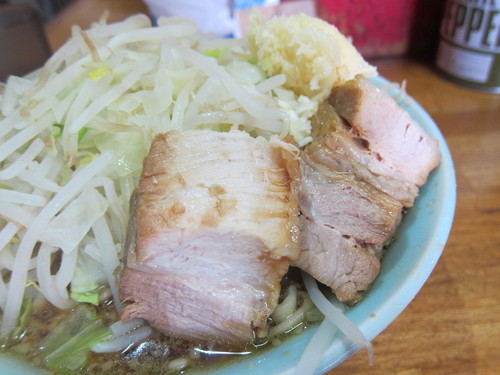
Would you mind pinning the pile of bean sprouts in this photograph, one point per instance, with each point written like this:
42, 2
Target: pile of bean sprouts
66, 196
74, 133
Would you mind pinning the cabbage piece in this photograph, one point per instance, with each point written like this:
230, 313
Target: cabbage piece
23, 316
67, 229
245, 72
91, 296
88, 280
128, 148
216, 53
65, 350
22, 321
58, 129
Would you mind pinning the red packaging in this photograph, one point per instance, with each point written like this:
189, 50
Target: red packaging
378, 28
382, 28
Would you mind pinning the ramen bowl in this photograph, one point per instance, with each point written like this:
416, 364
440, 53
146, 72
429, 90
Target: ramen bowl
405, 267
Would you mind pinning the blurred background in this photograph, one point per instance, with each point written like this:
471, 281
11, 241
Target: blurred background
379, 28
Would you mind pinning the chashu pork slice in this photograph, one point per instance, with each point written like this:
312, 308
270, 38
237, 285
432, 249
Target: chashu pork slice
336, 260
337, 149
395, 146
366, 162
344, 224
217, 228
354, 208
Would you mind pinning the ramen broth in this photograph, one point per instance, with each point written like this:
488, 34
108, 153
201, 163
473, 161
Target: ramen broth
158, 354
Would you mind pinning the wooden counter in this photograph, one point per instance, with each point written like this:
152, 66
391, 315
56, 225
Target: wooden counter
453, 325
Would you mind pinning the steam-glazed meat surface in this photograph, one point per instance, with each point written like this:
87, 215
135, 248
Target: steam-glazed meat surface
395, 141
365, 163
336, 260
353, 208
344, 225
217, 228
338, 150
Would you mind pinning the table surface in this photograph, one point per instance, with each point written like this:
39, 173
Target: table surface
453, 324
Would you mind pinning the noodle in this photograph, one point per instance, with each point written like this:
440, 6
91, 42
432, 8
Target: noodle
122, 342
22, 161
39, 182
336, 316
3, 292
178, 364
29, 240
180, 106
18, 197
209, 66
271, 83
65, 273
135, 22
315, 348
287, 306
109, 256
16, 214
46, 280
120, 328
7, 233
113, 201
293, 320
170, 29
20, 139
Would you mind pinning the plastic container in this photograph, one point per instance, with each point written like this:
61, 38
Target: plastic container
469, 47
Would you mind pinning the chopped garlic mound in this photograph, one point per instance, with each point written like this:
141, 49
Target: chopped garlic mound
312, 53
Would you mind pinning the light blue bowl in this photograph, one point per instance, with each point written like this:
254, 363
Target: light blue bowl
405, 268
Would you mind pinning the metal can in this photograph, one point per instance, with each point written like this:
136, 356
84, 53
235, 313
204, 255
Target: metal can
469, 46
